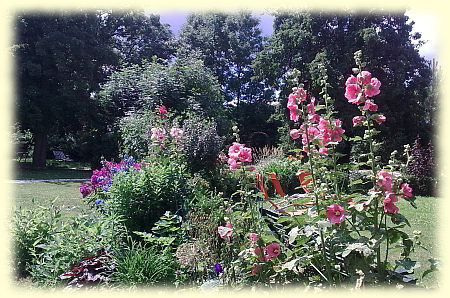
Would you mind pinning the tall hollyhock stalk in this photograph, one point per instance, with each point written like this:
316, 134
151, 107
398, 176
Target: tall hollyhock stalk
318, 133
359, 90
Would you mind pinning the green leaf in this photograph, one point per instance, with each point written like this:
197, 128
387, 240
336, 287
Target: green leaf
398, 218
408, 265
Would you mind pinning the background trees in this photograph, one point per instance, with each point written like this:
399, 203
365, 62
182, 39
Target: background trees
302, 38
78, 74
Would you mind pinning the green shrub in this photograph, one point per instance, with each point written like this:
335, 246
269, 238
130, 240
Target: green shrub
145, 265
45, 247
141, 198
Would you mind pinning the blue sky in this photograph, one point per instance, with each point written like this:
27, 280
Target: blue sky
426, 24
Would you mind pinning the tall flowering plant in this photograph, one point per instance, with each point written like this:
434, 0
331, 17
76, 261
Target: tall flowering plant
336, 218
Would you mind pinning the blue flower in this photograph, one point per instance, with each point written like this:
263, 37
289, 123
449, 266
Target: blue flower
125, 156
105, 188
99, 201
218, 268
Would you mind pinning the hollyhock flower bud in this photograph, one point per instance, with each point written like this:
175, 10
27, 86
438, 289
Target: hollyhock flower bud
357, 119
256, 269
380, 119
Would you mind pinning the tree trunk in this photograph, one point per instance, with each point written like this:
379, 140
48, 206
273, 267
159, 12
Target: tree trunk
40, 149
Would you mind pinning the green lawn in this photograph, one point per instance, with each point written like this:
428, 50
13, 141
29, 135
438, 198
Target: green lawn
33, 194
54, 170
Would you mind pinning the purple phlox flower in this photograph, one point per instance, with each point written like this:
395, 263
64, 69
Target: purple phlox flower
218, 268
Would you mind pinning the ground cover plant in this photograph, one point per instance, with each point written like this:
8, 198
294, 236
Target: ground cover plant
159, 222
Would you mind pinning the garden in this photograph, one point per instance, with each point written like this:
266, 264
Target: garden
188, 195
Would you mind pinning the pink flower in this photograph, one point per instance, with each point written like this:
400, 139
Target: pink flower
163, 111
176, 133
364, 77
253, 237
407, 191
295, 134
256, 269
224, 231
384, 180
229, 224
300, 94
389, 201
357, 119
380, 119
233, 164
335, 213
158, 134
351, 93
239, 152
351, 80
323, 150
372, 88
368, 105
273, 250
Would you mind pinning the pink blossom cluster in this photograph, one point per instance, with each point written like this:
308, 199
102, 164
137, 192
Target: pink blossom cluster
359, 88
294, 100
159, 134
326, 131
265, 254
386, 184
237, 154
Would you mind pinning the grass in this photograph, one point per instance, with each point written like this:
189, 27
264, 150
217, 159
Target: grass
54, 170
32, 194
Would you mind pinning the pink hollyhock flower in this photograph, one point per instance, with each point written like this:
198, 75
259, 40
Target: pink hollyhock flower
357, 119
364, 77
351, 80
380, 119
233, 150
300, 94
351, 93
389, 201
229, 224
323, 150
245, 154
176, 133
368, 105
373, 88
253, 237
163, 111
233, 164
224, 231
295, 133
335, 213
407, 191
390, 208
384, 180
158, 134
256, 269
273, 250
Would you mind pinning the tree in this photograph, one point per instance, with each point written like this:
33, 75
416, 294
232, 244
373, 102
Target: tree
138, 37
63, 57
228, 42
301, 39
59, 64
